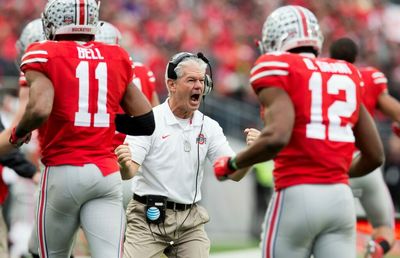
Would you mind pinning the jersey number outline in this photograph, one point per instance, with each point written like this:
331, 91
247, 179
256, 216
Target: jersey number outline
315, 129
83, 117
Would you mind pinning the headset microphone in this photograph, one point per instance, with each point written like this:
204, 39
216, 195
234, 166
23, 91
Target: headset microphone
201, 56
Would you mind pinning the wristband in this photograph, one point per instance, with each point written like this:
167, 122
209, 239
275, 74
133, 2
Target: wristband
383, 243
232, 164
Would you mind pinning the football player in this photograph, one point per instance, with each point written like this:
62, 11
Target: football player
374, 194
76, 87
313, 119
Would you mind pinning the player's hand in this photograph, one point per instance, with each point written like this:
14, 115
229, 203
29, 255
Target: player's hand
223, 167
251, 135
396, 128
124, 156
374, 250
36, 177
18, 141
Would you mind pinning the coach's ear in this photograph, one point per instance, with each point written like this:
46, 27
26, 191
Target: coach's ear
138, 125
171, 86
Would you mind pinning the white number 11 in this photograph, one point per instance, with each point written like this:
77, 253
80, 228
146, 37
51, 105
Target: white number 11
83, 117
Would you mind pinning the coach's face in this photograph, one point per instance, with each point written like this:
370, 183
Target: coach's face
187, 90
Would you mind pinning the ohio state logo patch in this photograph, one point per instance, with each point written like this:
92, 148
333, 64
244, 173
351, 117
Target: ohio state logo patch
201, 139
68, 19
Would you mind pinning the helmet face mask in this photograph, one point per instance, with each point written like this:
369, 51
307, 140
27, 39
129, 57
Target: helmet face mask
291, 27
70, 17
108, 33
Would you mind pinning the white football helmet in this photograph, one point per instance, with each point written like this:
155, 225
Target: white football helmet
70, 17
108, 33
291, 27
32, 32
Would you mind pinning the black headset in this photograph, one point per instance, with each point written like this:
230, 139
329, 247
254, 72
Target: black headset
176, 59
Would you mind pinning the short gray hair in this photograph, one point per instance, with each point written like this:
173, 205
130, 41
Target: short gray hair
179, 68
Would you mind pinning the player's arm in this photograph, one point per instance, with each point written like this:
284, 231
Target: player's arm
23, 97
389, 106
277, 131
239, 174
135, 104
155, 100
273, 138
38, 108
5, 145
127, 166
369, 143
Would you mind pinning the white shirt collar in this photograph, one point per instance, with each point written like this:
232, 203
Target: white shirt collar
170, 117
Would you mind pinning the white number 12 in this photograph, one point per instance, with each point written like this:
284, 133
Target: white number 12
336, 131
101, 117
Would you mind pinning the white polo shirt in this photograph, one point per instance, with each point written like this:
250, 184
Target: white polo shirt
169, 157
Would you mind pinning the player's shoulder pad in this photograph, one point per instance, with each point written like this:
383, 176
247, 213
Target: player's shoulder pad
277, 56
43, 44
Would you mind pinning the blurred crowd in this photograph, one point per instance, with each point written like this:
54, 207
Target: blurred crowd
225, 30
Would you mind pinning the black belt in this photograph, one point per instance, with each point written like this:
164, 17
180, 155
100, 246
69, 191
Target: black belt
170, 205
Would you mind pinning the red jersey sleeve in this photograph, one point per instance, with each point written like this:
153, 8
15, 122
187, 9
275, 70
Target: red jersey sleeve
270, 70
375, 83
144, 79
35, 58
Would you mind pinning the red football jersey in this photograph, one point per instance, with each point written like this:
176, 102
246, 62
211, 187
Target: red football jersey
89, 82
375, 83
145, 80
326, 95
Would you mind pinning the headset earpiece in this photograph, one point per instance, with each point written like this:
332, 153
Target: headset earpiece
173, 63
208, 85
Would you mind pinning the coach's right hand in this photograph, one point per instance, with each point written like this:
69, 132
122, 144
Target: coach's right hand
128, 168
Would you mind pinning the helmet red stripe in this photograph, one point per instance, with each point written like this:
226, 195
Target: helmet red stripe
303, 21
82, 12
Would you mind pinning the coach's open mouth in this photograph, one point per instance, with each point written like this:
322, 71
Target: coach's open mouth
195, 97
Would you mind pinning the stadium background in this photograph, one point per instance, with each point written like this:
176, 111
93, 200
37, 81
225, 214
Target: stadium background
225, 31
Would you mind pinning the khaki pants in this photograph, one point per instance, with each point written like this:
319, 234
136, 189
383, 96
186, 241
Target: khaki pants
181, 236
3, 236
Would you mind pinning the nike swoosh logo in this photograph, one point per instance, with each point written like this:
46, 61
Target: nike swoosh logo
164, 136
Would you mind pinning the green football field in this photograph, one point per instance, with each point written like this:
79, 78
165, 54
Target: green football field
250, 249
